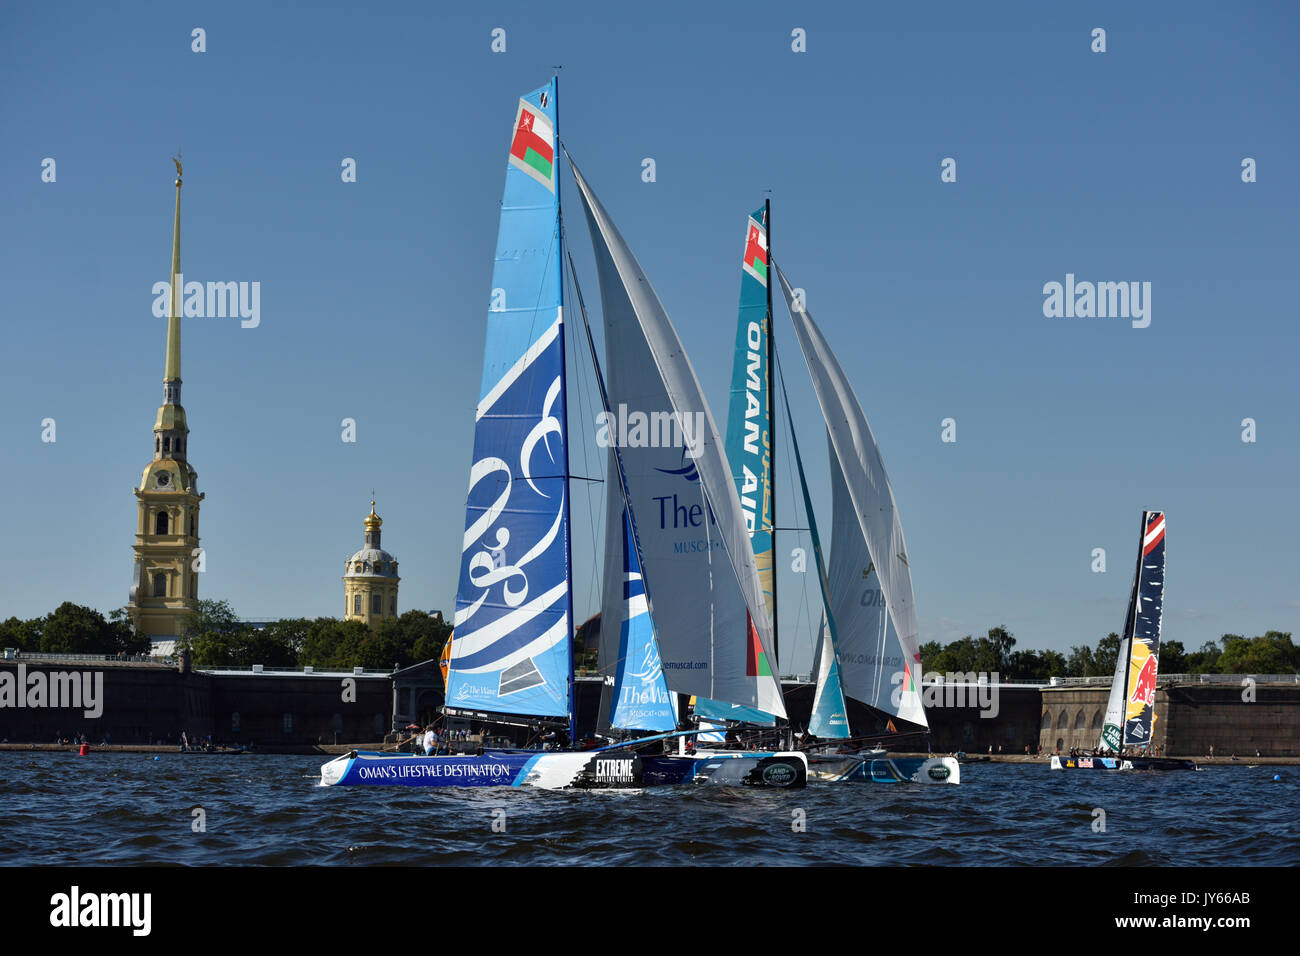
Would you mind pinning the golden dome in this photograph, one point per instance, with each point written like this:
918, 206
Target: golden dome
373, 521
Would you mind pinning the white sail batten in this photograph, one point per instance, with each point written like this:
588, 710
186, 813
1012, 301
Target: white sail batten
862, 470
699, 570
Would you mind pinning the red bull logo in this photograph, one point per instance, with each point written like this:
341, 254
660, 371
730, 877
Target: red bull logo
1144, 688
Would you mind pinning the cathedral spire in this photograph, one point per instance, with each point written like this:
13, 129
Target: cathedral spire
170, 428
168, 559
172, 371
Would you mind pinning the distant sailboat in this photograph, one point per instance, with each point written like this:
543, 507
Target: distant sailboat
1131, 707
512, 657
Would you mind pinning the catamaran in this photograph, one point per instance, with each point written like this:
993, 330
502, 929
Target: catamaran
869, 648
1131, 708
674, 523
859, 637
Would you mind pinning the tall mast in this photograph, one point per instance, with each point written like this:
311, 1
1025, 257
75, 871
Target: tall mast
564, 417
771, 428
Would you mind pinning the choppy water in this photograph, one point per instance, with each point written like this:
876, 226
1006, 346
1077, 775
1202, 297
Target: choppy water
135, 809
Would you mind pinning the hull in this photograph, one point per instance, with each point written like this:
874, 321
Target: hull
549, 771
561, 771
786, 770
1120, 763
859, 769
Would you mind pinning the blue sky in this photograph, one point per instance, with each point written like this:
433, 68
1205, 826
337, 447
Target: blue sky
1115, 166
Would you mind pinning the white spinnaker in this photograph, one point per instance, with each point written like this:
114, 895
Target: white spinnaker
700, 575
872, 501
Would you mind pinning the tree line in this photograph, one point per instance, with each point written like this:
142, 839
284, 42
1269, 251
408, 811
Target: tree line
216, 637
1272, 653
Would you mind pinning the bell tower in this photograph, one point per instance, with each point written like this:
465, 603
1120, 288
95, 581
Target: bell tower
165, 584
370, 578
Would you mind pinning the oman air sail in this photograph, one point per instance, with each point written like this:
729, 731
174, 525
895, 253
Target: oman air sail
749, 451
749, 430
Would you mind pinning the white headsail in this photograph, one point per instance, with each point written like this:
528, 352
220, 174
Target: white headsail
863, 498
699, 570
1112, 727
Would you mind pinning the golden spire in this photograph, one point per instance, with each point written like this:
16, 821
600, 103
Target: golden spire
172, 371
373, 521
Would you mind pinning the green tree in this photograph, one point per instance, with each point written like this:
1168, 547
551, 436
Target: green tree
22, 635
930, 652
1034, 665
73, 629
1271, 654
1107, 655
1206, 660
1173, 658
332, 644
286, 636
957, 658
210, 617
1053, 665
1000, 642
1080, 662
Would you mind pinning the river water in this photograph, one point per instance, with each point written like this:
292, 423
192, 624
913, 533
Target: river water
138, 809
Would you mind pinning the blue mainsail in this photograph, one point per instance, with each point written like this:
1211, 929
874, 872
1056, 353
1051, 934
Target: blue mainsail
640, 698
513, 625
